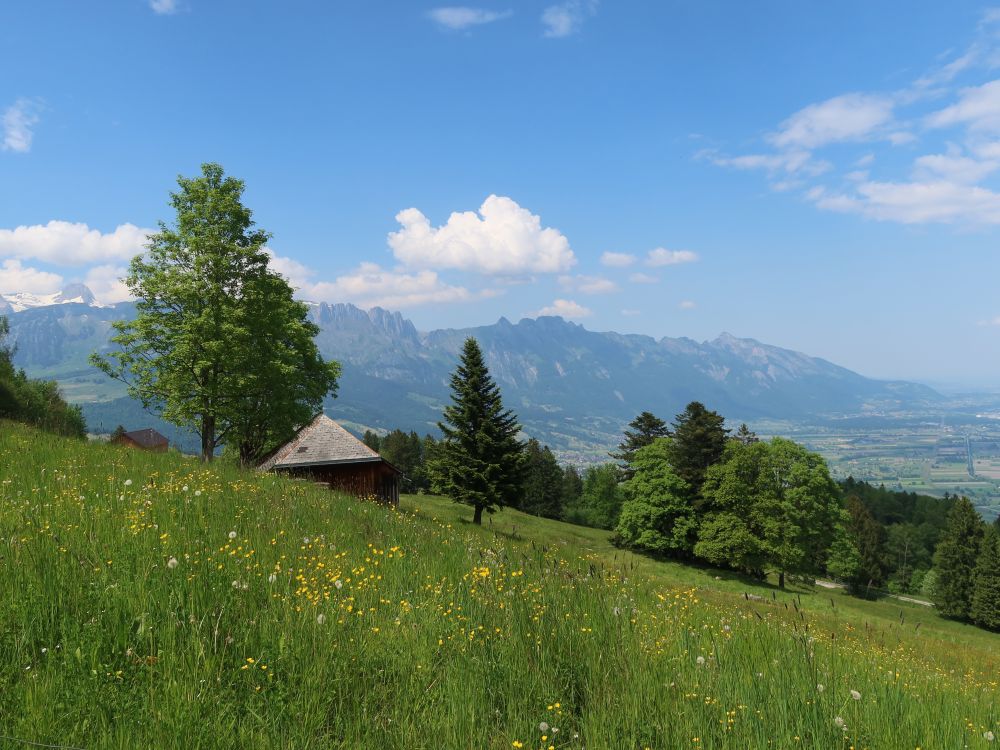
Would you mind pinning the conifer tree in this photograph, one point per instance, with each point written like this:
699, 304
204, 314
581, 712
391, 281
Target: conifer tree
572, 486
699, 440
642, 431
745, 435
479, 461
955, 560
985, 607
543, 482
868, 536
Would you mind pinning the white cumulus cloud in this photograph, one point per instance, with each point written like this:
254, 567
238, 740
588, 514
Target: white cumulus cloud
15, 277
105, 281
617, 260
19, 120
663, 257
371, 285
566, 18
643, 278
462, 17
918, 202
502, 238
565, 308
71, 244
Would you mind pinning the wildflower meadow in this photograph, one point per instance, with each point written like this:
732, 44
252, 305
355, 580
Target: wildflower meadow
150, 601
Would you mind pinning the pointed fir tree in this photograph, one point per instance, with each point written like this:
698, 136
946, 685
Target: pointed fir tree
955, 560
699, 440
985, 607
745, 435
543, 482
641, 431
479, 461
869, 537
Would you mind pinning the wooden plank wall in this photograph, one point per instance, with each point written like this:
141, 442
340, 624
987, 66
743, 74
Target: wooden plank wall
367, 480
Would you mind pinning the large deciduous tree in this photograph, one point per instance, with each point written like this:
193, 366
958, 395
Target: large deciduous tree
480, 460
218, 344
657, 515
770, 506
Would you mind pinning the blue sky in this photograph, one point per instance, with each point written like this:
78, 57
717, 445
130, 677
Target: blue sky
814, 175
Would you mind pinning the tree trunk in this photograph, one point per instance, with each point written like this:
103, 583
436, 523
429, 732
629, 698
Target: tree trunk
207, 437
781, 580
478, 517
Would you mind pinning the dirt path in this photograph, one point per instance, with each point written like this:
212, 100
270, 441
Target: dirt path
911, 600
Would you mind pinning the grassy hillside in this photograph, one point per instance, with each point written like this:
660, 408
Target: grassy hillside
148, 602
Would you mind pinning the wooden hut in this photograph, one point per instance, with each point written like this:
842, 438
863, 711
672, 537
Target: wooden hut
323, 451
147, 439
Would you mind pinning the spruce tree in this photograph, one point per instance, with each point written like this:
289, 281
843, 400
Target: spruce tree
699, 440
869, 537
985, 608
955, 560
479, 461
543, 482
745, 435
642, 431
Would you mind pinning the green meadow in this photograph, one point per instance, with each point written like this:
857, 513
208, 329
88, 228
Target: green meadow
150, 601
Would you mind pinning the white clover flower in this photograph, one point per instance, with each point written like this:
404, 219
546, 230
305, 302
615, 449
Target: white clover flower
128, 482
305, 540
272, 578
839, 722
320, 618
700, 660
856, 695
543, 727
236, 584
172, 563
232, 534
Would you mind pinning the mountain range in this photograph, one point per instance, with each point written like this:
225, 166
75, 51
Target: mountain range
572, 388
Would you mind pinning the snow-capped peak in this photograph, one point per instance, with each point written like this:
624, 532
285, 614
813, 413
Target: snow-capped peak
73, 294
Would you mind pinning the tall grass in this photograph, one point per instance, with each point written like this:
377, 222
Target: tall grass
146, 601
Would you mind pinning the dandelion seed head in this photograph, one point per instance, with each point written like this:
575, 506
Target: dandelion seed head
700, 660
820, 688
989, 736
543, 727
128, 482
232, 534
839, 721
172, 563
320, 618
856, 695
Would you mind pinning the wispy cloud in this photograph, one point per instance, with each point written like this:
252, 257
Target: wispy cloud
567, 18
643, 278
617, 260
663, 257
588, 284
952, 181
687, 305
457, 18
164, 7
19, 120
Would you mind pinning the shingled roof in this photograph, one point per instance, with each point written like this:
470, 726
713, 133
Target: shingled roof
321, 442
147, 438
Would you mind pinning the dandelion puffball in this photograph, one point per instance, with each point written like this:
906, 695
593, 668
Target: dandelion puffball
232, 534
172, 563
128, 482
338, 583
320, 618
839, 722
856, 695
700, 660
988, 736
543, 727
820, 688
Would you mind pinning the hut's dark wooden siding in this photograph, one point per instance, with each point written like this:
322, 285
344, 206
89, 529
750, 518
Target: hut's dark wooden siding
369, 479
